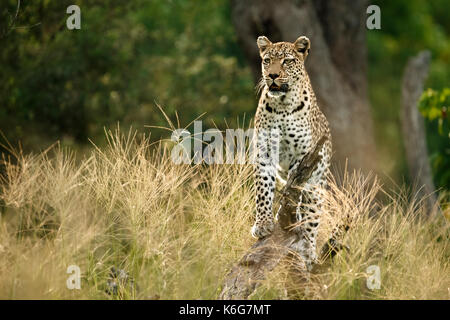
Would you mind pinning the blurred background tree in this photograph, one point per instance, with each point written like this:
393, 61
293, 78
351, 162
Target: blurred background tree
60, 84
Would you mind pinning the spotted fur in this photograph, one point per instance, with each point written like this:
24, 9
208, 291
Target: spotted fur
288, 120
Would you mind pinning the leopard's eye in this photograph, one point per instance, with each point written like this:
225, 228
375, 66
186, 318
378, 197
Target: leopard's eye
288, 61
266, 60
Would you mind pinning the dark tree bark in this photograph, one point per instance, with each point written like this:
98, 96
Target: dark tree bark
414, 137
337, 63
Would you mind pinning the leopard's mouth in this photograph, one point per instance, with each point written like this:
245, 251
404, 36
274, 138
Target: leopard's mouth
284, 87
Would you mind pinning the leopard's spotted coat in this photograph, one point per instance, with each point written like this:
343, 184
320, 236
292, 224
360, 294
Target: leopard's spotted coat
289, 120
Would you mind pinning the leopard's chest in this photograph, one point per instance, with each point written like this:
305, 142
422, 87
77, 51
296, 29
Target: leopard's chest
295, 139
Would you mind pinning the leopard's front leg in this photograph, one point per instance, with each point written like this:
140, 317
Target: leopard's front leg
267, 143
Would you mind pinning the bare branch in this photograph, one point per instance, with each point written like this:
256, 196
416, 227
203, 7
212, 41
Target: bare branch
12, 24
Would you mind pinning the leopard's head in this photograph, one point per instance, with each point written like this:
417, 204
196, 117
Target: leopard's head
282, 63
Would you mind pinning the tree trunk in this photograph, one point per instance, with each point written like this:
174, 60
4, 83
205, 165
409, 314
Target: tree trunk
337, 63
414, 137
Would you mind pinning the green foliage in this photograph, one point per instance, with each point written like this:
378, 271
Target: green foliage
434, 107
128, 56
407, 27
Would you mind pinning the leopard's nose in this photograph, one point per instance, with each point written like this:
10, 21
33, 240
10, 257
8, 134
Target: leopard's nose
274, 75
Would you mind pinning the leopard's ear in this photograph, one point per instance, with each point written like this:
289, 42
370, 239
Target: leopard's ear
302, 45
263, 43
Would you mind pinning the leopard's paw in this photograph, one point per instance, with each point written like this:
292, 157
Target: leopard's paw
261, 230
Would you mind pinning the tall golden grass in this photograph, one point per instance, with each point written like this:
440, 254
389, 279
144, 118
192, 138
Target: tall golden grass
177, 229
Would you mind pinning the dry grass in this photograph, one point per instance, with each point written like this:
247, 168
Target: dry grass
178, 228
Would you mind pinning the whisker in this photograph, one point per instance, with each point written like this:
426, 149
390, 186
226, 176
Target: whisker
260, 85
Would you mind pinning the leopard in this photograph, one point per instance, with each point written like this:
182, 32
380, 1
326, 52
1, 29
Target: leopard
289, 124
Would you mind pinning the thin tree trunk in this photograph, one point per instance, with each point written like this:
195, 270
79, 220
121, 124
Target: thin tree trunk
414, 138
